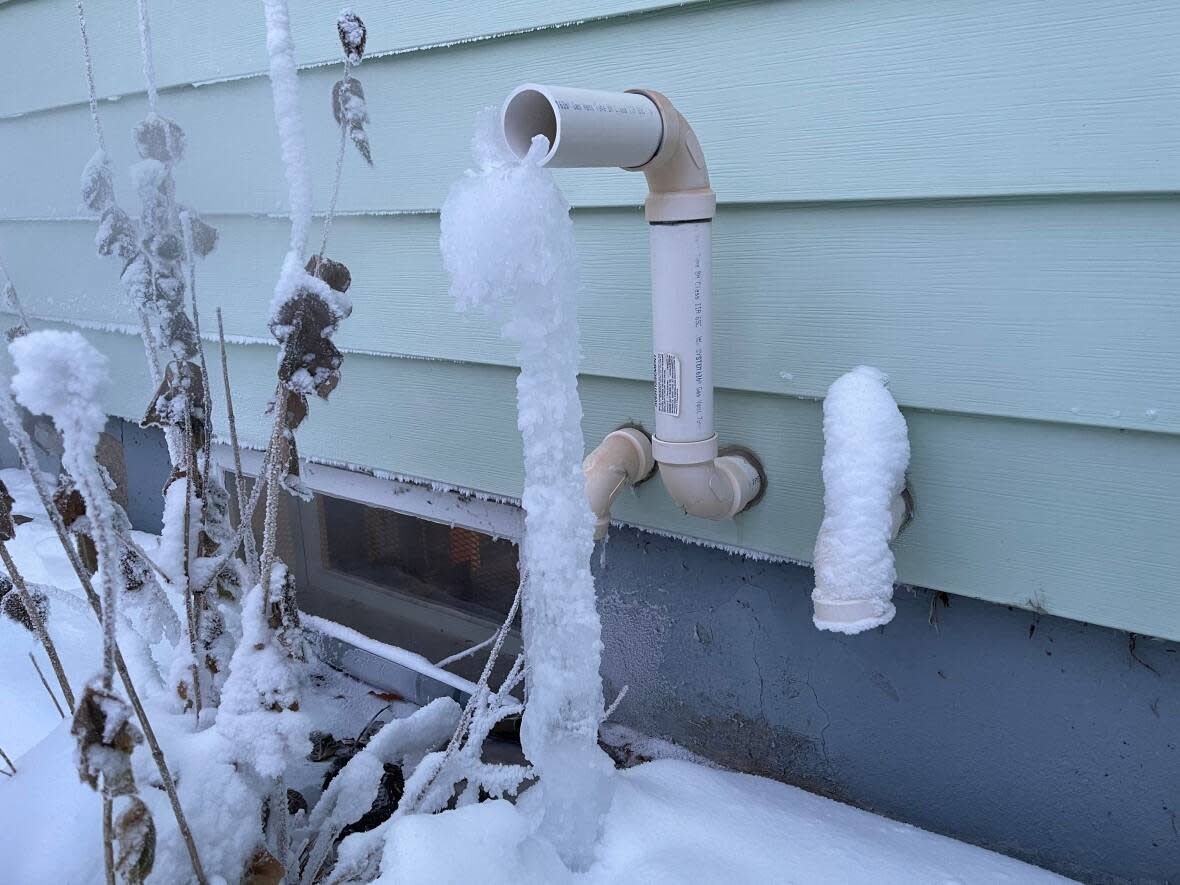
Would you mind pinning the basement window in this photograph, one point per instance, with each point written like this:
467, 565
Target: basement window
431, 571
449, 565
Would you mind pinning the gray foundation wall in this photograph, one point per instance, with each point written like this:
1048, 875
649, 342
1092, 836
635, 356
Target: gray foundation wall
1050, 740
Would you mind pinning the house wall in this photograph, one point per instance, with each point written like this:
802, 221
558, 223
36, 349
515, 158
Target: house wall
976, 198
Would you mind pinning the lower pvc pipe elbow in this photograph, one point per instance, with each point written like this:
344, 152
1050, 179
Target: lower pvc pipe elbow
622, 459
719, 488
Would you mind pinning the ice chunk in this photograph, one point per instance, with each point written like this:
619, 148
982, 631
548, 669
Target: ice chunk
508, 245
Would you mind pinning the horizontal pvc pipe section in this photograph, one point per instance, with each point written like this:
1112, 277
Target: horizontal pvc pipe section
585, 127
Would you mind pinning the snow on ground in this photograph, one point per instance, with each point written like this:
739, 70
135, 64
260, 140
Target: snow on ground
673, 820
50, 822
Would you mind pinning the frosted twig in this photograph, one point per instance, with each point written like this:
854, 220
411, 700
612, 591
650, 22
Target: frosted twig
190, 601
145, 51
615, 703
467, 652
98, 133
7, 761
339, 169
45, 685
481, 698
60, 375
244, 525
38, 623
239, 480
24, 448
108, 835
273, 490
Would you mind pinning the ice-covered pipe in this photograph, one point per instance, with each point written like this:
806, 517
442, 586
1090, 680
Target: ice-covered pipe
866, 453
640, 130
622, 459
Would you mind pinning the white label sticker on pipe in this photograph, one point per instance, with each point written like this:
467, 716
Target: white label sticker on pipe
666, 371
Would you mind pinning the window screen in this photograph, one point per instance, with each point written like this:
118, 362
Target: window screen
450, 565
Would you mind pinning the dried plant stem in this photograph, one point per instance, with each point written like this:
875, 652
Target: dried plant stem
108, 835
45, 685
24, 447
7, 761
239, 485
150, 350
98, 133
186, 227
35, 619
273, 490
461, 735
145, 51
244, 525
339, 170
190, 601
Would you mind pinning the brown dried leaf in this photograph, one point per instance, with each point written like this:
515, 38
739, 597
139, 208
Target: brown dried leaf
352, 111
116, 234
14, 608
360, 138
309, 361
182, 387
264, 869
98, 188
157, 138
106, 738
204, 235
69, 501
135, 835
353, 34
334, 273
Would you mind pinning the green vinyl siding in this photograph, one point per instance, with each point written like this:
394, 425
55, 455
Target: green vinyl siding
981, 200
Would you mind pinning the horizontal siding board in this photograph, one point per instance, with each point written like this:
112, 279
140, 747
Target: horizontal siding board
225, 39
1079, 522
830, 101
1059, 310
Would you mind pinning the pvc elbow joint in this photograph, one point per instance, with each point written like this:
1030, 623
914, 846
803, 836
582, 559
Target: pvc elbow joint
622, 459
677, 178
713, 487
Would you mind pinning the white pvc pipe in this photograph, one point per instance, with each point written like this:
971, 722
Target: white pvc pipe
622, 459
585, 127
682, 323
641, 130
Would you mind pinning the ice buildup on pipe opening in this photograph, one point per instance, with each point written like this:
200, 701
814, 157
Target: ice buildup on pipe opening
866, 453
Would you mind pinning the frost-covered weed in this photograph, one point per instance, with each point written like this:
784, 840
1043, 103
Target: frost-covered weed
60, 375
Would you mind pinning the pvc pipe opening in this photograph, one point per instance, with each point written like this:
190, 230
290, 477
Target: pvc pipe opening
585, 127
527, 114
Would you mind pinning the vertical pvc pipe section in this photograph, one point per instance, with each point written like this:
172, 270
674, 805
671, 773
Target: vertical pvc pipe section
682, 322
